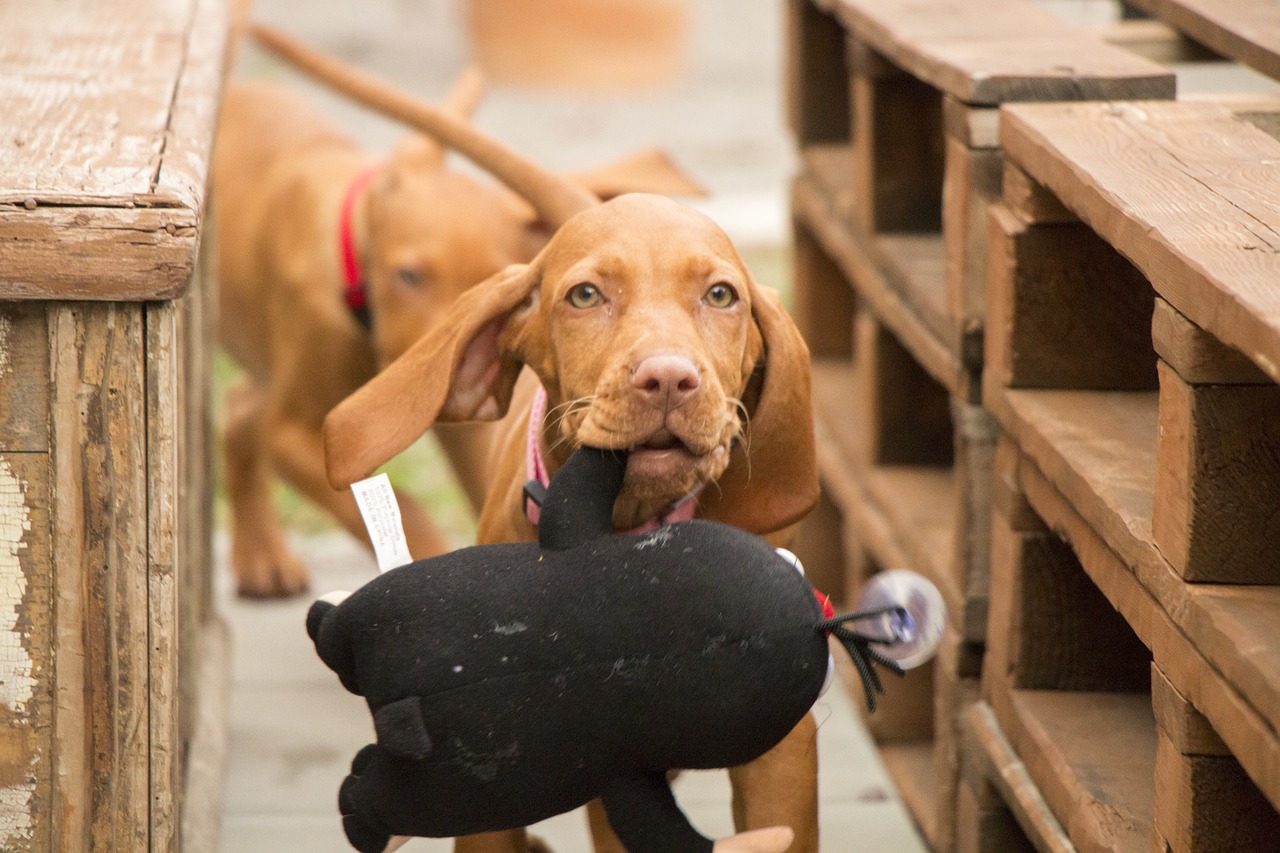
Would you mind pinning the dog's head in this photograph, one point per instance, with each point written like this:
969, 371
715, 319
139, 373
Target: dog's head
649, 333
431, 232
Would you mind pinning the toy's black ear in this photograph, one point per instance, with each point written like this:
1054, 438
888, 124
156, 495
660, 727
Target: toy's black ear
579, 502
401, 730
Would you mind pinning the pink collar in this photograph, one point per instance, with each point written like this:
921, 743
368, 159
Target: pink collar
354, 291
536, 470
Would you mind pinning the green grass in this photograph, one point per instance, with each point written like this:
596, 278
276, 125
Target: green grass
422, 469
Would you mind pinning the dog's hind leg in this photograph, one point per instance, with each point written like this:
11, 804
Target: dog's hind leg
298, 455
260, 558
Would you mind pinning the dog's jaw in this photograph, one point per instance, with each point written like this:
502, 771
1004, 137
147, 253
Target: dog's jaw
670, 458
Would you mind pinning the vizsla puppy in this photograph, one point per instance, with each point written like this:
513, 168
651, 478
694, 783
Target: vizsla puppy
638, 327
331, 264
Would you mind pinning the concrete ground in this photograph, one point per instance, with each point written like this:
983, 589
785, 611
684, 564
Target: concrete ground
293, 729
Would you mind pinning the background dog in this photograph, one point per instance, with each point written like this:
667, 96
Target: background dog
331, 263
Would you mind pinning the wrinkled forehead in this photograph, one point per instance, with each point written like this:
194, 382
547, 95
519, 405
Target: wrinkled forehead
642, 232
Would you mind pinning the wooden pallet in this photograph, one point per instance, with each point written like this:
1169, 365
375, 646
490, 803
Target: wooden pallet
1133, 352
1248, 32
894, 108
998, 807
894, 104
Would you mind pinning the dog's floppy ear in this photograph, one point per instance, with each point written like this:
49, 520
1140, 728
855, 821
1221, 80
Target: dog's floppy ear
772, 478
457, 371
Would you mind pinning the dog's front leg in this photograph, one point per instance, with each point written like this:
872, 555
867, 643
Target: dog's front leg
780, 788
603, 838
260, 557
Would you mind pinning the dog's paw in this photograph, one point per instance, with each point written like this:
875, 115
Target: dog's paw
775, 839
267, 572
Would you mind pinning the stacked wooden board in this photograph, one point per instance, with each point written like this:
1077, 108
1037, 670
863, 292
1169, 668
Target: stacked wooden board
1132, 359
894, 105
109, 649
1079, 300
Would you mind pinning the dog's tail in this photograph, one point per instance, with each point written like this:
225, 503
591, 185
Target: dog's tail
554, 198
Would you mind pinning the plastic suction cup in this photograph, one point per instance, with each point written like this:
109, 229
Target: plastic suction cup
912, 627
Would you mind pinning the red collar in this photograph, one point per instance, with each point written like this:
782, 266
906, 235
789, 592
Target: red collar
539, 479
354, 290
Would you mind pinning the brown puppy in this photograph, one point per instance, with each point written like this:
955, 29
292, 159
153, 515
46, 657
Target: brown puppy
647, 332
420, 233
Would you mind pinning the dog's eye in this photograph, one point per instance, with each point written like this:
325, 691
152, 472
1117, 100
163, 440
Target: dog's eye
720, 296
409, 277
584, 296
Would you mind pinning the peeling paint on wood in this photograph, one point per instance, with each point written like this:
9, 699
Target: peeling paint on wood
16, 680
17, 669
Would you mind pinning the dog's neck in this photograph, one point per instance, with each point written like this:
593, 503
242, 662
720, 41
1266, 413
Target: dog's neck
352, 239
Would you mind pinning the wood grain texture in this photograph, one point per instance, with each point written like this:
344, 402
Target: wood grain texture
184, 169
815, 206
1218, 480
1065, 310
972, 185
95, 252
104, 144
24, 378
1207, 803
93, 83
976, 434
1197, 356
1179, 721
915, 267
897, 144
1062, 633
999, 51
1009, 775
1030, 201
1092, 756
1205, 638
1186, 191
206, 761
955, 689
102, 793
1245, 31
166, 407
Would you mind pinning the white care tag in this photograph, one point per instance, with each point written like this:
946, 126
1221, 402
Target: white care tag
381, 515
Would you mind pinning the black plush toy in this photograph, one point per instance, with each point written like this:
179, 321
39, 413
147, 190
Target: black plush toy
511, 683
